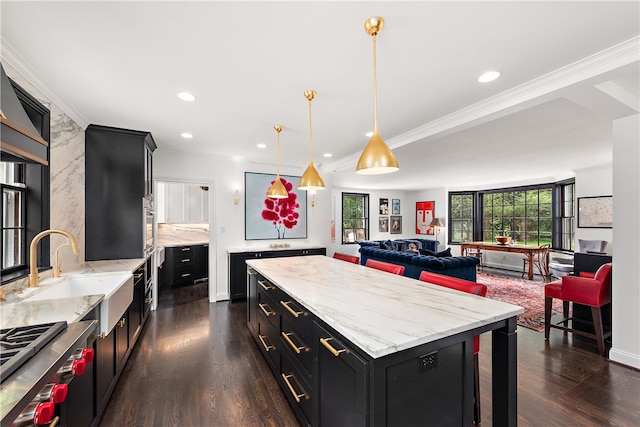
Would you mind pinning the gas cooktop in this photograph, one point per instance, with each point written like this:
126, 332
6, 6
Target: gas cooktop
19, 344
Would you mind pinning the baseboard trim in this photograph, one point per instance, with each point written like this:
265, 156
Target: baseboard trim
624, 358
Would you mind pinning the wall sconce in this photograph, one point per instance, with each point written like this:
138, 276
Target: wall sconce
236, 198
437, 224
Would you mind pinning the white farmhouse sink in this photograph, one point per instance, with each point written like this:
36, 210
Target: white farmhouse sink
117, 288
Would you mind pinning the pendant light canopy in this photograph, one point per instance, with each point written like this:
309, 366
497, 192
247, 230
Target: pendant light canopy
277, 190
376, 158
310, 179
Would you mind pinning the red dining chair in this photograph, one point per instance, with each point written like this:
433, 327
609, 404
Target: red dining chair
385, 266
471, 288
345, 257
594, 292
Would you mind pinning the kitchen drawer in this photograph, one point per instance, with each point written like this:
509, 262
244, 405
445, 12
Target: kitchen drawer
297, 348
268, 311
298, 317
296, 388
182, 275
269, 344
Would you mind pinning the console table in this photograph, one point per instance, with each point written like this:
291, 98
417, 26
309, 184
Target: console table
529, 250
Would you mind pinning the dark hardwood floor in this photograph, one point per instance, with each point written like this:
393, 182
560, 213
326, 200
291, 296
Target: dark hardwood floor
196, 365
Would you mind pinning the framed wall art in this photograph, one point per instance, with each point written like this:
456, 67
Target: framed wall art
595, 212
383, 224
266, 218
424, 216
396, 224
384, 207
395, 206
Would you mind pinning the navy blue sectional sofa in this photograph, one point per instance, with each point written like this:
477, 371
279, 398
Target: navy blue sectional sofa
463, 267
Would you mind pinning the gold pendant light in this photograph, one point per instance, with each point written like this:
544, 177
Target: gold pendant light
310, 179
277, 190
377, 157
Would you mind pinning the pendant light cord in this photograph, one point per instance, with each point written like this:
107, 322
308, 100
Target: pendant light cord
310, 137
375, 85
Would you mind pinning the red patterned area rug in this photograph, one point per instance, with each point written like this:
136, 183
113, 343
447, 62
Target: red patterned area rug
528, 294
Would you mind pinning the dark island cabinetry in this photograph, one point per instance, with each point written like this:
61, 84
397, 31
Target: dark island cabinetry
332, 380
118, 176
238, 266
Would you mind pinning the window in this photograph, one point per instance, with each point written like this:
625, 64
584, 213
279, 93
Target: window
25, 198
461, 217
523, 215
566, 215
13, 216
534, 215
355, 217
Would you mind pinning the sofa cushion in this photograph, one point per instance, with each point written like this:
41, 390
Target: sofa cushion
426, 252
445, 253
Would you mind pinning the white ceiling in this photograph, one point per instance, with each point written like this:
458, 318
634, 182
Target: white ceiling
568, 69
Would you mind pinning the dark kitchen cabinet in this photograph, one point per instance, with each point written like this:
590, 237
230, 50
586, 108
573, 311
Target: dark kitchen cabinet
252, 300
183, 265
238, 266
105, 362
137, 305
118, 170
122, 340
341, 382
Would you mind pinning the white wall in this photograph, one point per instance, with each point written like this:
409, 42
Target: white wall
597, 181
626, 233
227, 219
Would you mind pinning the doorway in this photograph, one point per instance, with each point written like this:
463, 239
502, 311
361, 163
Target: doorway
183, 218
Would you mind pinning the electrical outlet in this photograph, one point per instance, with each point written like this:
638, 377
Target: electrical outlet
428, 361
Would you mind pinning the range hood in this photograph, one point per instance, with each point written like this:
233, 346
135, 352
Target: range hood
19, 139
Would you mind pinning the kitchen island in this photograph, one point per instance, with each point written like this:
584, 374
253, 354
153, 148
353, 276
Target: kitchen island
352, 345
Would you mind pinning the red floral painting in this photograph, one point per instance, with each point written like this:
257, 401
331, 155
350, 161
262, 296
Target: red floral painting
267, 218
282, 213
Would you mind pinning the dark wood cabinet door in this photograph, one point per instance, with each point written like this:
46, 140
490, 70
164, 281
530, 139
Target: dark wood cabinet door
116, 164
105, 367
341, 382
252, 301
122, 340
135, 309
201, 265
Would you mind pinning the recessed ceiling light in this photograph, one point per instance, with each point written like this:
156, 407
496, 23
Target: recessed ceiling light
489, 76
186, 96
327, 154
369, 134
261, 145
186, 135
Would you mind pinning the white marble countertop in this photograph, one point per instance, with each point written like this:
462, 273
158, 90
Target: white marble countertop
379, 312
16, 312
266, 247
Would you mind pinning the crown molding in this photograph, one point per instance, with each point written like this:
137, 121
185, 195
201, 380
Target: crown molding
11, 57
518, 98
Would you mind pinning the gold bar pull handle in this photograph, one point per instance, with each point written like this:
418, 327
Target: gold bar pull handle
266, 346
325, 342
267, 311
294, 393
285, 304
266, 287
251, 272
137, 276
295, 348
